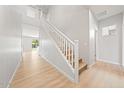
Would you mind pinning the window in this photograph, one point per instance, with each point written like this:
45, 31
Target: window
105, 31
31, 12
109, 30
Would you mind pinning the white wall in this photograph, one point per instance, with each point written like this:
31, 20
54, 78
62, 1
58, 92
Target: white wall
109, 47
74, 22
30, 28
123, 40
10, 43
93, 26
48, 49
29, 20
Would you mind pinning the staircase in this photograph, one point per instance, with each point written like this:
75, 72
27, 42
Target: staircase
69, 50
82, 65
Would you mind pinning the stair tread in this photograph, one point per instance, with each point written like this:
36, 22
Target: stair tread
82, 64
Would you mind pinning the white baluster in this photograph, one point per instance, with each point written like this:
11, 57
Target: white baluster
72, 56
76, 61
57, 38
59, 41
62, 44
69, 50
66, 45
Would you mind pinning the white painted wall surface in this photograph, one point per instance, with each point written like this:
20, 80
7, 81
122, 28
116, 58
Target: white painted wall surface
123, 41
48, 49
10, 42
30, 27
30, 30
93, 26
73, 21
29, 20
110, 47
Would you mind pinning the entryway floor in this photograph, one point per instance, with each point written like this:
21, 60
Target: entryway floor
35, 72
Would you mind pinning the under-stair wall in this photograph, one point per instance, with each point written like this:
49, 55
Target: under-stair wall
50, 51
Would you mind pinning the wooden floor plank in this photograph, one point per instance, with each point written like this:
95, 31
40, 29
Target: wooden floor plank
35, 72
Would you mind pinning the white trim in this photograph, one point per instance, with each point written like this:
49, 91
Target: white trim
29, 37
123, 42
108, 61
58, 68
122, 64
17, 66
89, 66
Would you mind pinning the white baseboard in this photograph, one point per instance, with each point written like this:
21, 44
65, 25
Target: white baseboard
89, 66
58, 69
108, 61
18, 65
122, 65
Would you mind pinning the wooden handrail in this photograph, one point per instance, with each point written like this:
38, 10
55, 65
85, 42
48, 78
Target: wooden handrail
58, 31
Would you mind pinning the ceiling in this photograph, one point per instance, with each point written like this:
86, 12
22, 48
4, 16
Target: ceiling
104, 11
44, 8
100, 11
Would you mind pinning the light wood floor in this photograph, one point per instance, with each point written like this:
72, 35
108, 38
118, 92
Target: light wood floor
35, 72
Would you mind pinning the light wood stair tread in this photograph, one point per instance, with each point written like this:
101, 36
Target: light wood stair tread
82, 64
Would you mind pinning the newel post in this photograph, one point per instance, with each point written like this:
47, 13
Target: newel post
76, 60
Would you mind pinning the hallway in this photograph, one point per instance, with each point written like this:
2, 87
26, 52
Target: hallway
35, 72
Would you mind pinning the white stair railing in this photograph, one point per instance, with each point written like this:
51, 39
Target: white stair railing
68, 48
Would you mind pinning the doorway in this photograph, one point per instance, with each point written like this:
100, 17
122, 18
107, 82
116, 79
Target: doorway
35, 45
